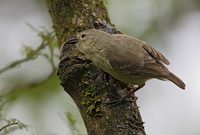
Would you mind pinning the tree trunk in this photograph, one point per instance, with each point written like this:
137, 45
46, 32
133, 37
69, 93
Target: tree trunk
87, 85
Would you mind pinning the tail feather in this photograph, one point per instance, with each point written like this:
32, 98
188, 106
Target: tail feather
172, 77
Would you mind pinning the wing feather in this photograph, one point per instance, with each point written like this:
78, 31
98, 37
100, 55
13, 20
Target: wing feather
136, 58
156, 54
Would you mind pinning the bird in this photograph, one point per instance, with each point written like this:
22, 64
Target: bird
124, 57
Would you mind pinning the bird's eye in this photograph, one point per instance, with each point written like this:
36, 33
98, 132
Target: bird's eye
83, 35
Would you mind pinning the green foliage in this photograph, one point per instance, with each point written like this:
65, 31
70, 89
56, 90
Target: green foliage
11, 125
48, 41
47, 49
71, 118
1, 109
73, 121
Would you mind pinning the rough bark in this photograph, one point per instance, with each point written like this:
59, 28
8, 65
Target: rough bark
85, 83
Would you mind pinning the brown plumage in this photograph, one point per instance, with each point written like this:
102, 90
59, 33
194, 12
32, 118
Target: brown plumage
124, 57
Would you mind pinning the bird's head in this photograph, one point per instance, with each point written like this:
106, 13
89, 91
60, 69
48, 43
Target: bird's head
85, 40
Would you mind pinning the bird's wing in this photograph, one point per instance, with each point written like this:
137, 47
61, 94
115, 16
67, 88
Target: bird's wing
156, 54
124, 61
143, 61
122, 57
153, 62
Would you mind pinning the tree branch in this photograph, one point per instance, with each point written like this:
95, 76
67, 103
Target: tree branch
83, 81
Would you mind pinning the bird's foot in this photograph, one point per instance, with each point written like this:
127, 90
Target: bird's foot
115, 102
124, 99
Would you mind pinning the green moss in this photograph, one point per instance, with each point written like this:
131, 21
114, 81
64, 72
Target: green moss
91, 99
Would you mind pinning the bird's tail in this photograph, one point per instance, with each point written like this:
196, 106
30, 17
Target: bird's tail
172, 77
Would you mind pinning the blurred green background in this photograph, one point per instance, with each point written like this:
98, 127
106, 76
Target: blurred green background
31, 91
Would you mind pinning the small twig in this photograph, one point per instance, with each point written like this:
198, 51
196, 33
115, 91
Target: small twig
47, 40
12, 122
14, 64
8, 125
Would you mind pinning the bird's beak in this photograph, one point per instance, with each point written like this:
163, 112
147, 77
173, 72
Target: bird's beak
72, 40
